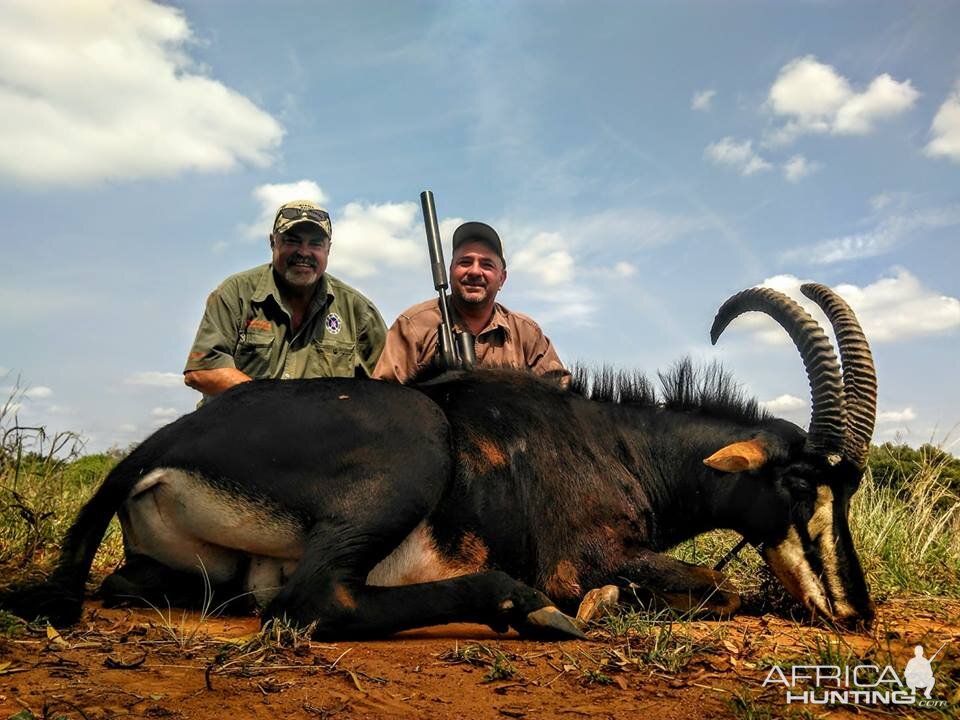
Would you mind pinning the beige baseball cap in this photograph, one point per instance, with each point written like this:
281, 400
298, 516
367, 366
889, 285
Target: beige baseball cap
300, 211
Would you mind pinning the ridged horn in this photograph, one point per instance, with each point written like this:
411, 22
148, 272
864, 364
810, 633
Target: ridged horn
827, 421
859, 374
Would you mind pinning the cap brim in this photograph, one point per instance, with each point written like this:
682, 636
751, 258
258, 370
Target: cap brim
284, 227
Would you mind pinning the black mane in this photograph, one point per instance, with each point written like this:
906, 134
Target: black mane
685, 387
709, 389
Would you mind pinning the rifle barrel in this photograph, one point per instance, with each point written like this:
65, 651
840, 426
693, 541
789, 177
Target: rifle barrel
447, 349
433, 240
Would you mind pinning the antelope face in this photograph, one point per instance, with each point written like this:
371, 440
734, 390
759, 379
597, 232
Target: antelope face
812, 552
797, 512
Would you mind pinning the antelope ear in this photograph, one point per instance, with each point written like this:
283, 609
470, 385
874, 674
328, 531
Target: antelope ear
739, 456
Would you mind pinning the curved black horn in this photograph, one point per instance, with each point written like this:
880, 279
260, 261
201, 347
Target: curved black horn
859, 375
827, 422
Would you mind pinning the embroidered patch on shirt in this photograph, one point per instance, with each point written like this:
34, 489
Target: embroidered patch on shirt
333, 323
255, 324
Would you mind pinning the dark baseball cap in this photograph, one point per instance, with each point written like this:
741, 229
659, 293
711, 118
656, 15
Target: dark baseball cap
481, 232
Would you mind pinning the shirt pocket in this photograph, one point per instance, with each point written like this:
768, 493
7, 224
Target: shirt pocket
331, 358
254, 355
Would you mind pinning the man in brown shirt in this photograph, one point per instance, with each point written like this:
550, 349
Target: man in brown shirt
503, 337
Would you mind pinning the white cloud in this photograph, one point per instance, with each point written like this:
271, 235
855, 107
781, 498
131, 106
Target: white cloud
881, 239
885, 97
896, 416
271, 196
368, 239
127, 428
739, 156
702, 100
784, 403
153, 378
164, 415
815, 98
38, 391
10, 408
945, 129
808, 89
881, 200
547, 257
899, 307
798, 167
61, 410
3, 370
107, 90
558, 272
893, 309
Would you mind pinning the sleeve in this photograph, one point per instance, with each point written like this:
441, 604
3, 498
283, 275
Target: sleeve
370, 339
542, 358
217, 335
401, 354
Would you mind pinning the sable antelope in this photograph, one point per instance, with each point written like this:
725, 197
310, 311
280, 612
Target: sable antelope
367, 508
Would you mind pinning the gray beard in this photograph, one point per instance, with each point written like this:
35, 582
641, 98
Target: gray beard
474, 300
294, 279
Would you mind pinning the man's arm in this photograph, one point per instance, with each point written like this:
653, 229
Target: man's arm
371, 337
401, 359
210, 365
542, 358
214, 382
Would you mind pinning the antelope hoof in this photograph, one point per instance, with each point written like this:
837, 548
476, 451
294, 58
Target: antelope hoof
597, 602
549, 622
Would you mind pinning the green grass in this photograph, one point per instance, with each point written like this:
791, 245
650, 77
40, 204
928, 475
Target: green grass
908, 535
44, 481
659, 639
498, 663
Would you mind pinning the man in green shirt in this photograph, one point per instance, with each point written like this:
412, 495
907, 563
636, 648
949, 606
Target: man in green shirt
287, 319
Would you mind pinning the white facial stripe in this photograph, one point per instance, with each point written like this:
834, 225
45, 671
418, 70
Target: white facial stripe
822, 519
820, 528
790, 565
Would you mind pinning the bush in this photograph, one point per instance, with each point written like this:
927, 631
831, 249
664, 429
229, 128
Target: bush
892, 465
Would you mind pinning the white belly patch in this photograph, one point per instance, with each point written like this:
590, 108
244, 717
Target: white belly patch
183, 521
416, 560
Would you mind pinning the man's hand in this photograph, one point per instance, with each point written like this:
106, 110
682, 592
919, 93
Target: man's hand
214, 382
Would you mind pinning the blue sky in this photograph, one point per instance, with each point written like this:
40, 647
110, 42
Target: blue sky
642, 162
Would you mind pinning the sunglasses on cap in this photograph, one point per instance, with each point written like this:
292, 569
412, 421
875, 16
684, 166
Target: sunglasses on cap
292, 213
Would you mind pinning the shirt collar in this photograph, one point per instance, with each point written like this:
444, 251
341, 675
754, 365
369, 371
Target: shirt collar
498, 321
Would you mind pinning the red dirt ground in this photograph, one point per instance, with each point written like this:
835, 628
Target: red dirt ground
118, 663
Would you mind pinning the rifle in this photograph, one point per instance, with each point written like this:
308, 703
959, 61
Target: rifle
452, 355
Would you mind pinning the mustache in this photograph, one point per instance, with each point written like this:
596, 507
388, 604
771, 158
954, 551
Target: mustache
302, 260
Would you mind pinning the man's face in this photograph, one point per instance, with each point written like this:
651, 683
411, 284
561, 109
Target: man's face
300, 254
476, 273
